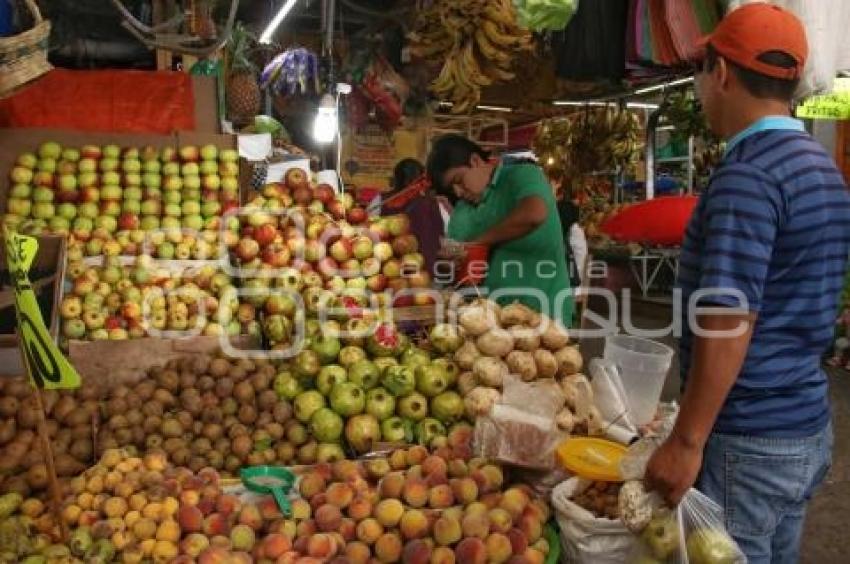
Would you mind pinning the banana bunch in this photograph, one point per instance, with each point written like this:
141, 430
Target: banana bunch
477, 40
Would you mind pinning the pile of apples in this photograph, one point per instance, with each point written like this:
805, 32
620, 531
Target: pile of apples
110, 301
95, 192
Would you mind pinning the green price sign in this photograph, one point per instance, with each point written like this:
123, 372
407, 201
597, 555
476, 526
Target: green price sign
46, 365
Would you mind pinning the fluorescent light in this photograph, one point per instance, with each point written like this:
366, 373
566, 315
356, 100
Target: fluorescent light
325, 126
642, 106
578, 103
665, 128
495, 108
266, 37
658, 87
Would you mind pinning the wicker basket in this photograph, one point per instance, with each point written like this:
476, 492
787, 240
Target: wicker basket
23, 57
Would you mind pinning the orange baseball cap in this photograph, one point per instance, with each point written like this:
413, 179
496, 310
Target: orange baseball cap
754, 29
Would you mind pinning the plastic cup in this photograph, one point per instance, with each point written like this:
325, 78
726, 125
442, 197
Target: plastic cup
643, 366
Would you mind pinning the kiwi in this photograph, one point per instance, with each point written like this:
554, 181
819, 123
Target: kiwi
7, 430
164, 397
169, 380
135, 417
282, 411
181, 456
229, 406
152, 409
8, 406
241, 446
18, 388
307, 452
153, 442
81, 449
27, 417
238, 374
261, 381
229, 421
196, 463
67, 465
83, 431
285, 452
120, 391
201, 446
145, 390
263, 419
138, 435
243, 392
173, 444
275, 430
197, 427
232, 463
185, 418
37, 476
246, 364
237, 430
117, 406
125, 436
171, 428
79, 417
17, 484
16, 450
261, 435
192, 403
255, 459
224, 387
205, 384
188, 380
247, 414
267, 400
215, 459
199, 364
219, 367
213, 431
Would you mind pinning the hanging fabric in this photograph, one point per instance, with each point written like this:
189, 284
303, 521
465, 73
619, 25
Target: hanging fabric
593, 45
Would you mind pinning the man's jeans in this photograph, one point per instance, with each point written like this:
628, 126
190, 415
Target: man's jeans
764, 485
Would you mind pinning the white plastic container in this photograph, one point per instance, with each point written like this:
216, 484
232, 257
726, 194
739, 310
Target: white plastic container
643, 366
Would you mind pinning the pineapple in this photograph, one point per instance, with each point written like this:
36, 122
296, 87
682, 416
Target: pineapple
242, 90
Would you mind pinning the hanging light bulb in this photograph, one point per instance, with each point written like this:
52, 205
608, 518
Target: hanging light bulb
326, 125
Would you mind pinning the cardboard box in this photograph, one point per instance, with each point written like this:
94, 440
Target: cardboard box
47, 275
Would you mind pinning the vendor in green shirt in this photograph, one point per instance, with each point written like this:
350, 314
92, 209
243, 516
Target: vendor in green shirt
509, 207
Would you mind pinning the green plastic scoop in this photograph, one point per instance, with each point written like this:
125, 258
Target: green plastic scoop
270, 480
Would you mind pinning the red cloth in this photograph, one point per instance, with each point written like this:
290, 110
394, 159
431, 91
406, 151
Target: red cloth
119, 101
661, 221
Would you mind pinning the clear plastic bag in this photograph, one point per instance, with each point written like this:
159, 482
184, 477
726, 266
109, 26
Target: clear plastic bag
521, 428
693, 533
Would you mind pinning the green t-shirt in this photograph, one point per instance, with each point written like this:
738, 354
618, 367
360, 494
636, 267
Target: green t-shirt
533, 265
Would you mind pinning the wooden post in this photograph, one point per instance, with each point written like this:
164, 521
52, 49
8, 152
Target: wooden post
55, 490
163, 57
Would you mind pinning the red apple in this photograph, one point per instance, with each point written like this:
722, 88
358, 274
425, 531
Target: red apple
276, 255
370, 266
423, 298
351, 267
89, 194
392, 269
302, 195
379, 231
67, 196
377, 283
247, 249
297, 178
324, 193
420, 279
401, 301
405, 244
90, 151
336, 209
357, 215
314, 251
383, 251
362, 247
265, 234
128, 221
341, 250
188, 154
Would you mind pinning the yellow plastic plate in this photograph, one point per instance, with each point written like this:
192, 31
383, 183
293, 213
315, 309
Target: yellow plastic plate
592, 459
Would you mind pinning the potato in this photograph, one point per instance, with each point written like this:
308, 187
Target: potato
522, 363
515, 314
466, 355
489, 371
555, 337
495, 342
547, 365
525, 339
569, 361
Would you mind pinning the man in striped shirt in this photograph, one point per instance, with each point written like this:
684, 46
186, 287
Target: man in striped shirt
761, 270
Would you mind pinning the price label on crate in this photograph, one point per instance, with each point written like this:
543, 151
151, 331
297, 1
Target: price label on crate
46, 365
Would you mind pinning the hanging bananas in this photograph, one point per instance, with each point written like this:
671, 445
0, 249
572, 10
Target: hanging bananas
478, 41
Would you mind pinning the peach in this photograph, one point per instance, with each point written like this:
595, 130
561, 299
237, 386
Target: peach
437, 479
441, 449
471, 551
306, 528
250, 515
458, 469
289, 557
360, 508
517, 559
500, 520
168, 531
388, 512
214, 555
533, 556
340, 494
318, 500
519, 541
538, 509
391, 485
207, 506
164, 551
242, 537
311, 484
220, 541
328, 518
194, 544
269, 510
357, 553
499, 548
413, 524
440, 497
369, 530
416, 454
388, 547
447, 530
460, 435
514, 501
416, 552
190, 518
434, 465
144, 529
415, 493
398, 459
216, 524
344, 470
414, 472
321, 545
300, 544
541, 545
455, 512
443, 555
348, 529
476, 525
532, 528
491, 500
301, 509
475, 507
494, 478
465, 490
309, 560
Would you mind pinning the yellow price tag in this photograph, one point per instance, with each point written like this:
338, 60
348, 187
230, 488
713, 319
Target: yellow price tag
47, 367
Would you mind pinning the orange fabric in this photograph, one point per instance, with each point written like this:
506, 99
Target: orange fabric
754, 29
661, 221
119, 101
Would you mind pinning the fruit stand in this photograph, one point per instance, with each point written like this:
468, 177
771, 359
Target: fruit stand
269, 371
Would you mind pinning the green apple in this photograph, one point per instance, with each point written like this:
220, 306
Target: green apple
43, 210
190, 169
209, 153
87, 179
169, 222
209, 167
42, 194
228, 155
165, 250
110, 192
195, 222
20, 191
82, 223
191, 194
27, 160
192, 181
151, 180
47, 165
86, 165
132, 193
132, 207
74, 328
172, 182
67, 210
172, 197
111, 208
58, 224
107, 165
151, 207
107, 222
132, 179
173, 210
191, 207
19, 207
229, 185
88, 209
210, 208
111, 151
152, 167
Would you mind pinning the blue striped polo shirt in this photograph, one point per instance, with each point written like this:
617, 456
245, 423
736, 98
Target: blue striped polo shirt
773, 227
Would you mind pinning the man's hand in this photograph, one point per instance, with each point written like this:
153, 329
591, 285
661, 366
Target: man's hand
673, 469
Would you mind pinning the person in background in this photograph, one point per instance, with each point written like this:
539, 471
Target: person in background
764, 259
426, 211
574, 237
509, 208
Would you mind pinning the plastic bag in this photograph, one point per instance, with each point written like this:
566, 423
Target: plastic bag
585, 538
521, 428
693, 533
545, 15
633, 464
610, 399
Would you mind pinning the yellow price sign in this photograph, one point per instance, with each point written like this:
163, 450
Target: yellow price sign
46, 365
